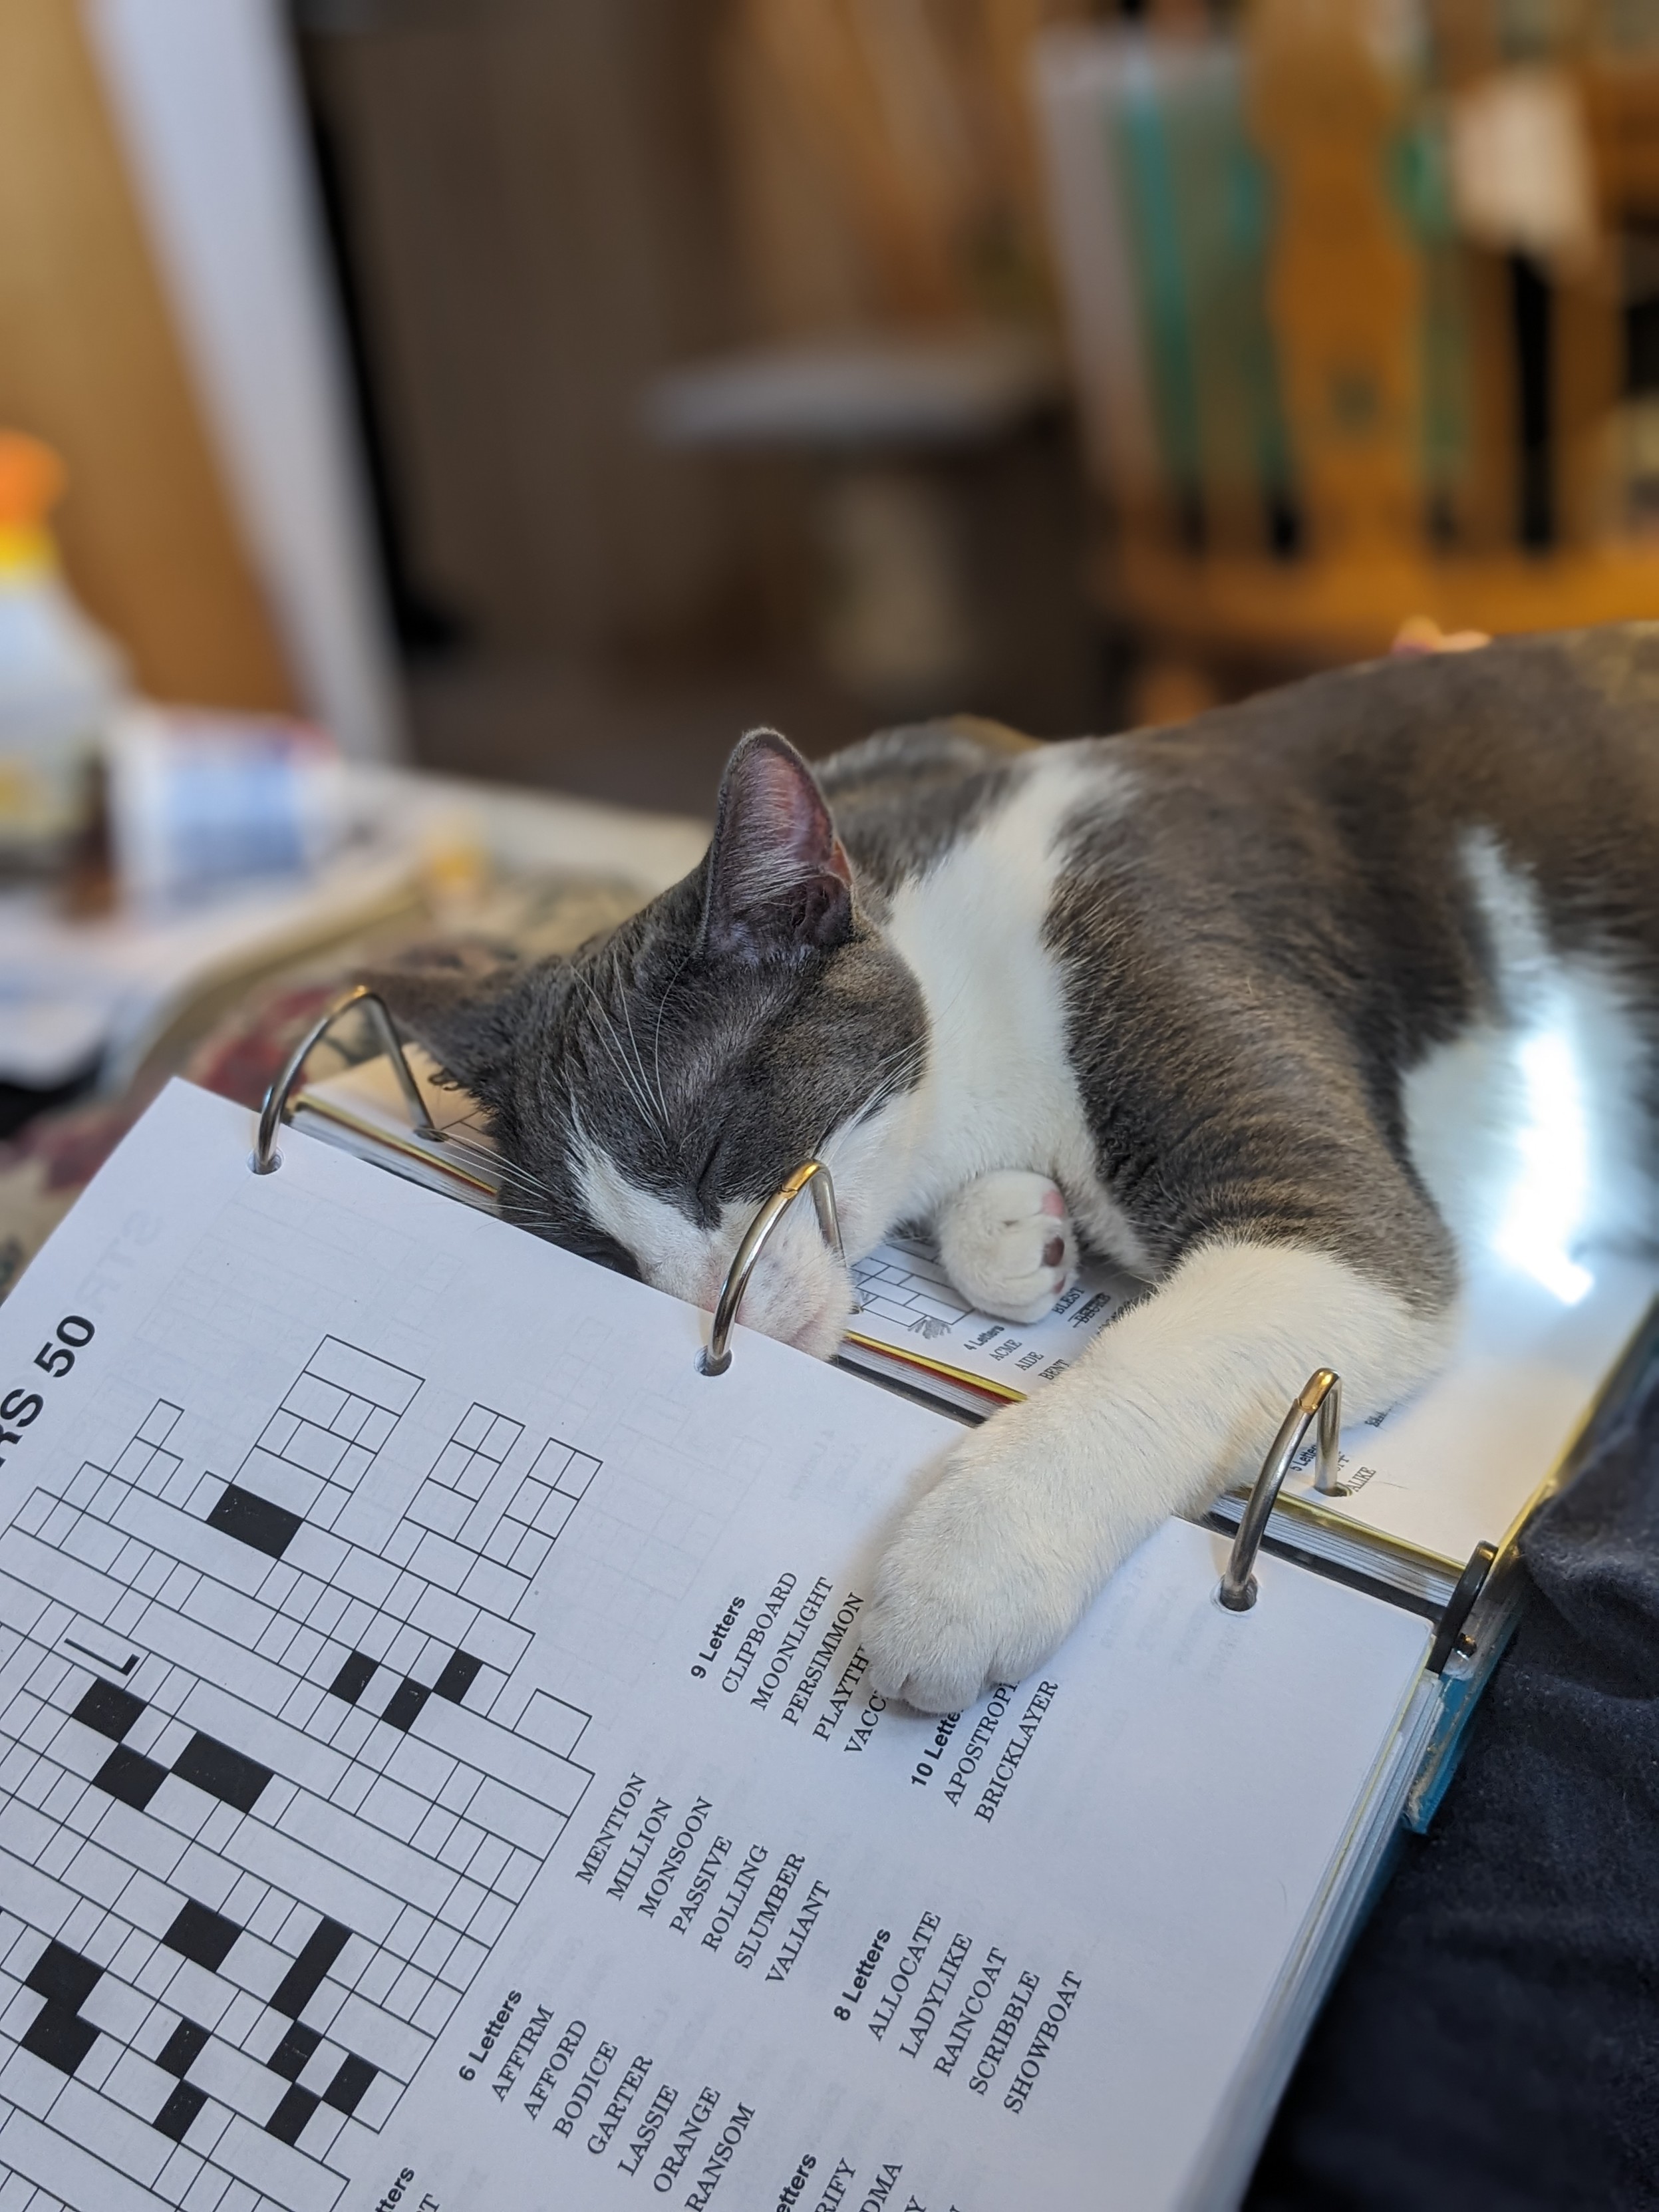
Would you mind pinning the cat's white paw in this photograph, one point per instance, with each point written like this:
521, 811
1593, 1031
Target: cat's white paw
986, 1575
1005, 1240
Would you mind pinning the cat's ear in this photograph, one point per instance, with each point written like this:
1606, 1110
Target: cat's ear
459, 1007
779, 882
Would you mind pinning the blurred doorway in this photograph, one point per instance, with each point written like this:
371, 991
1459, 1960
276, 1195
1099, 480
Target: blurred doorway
538, 208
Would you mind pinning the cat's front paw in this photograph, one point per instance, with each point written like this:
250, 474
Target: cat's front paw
1005, 1240
984, 1578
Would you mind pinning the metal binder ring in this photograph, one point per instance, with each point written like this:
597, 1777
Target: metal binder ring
717, 1356
274, 1111
1321, 1394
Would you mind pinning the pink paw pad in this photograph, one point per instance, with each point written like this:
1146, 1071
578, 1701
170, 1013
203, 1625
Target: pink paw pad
1054, 1203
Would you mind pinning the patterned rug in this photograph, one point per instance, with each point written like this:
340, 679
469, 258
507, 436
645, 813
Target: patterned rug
238, 1053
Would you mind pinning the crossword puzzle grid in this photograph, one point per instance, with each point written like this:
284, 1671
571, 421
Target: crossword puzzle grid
254, 1838
912, 1291
17, 2195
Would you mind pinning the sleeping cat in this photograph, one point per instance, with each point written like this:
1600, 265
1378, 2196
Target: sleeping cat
1230, 1005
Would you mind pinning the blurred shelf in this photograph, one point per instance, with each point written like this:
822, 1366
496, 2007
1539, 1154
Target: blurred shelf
1332, 609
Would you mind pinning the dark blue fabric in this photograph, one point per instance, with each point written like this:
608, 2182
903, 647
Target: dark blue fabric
1493, 2043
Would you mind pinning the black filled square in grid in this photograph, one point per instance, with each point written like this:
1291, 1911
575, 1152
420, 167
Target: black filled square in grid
351, 2080
255, 1520
293, 2050
202, 1935
183, 2105
182, 2048
173, 1766
352, 1677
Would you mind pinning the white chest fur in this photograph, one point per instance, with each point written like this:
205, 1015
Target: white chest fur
999, 1090
1529, 1128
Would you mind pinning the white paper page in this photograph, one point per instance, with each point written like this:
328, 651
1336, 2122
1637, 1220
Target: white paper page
371, 1093
1455, 1465
907, 1304
606, 1881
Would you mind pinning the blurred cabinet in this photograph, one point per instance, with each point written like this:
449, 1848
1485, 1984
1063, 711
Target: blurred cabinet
90, 360
529, 207
1413, 276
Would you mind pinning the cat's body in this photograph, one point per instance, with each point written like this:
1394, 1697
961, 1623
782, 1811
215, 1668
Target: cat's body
1249, 993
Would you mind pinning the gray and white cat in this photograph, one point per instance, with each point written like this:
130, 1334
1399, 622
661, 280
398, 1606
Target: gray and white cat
1232, 1005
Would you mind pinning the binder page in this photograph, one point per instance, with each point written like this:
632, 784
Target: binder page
909, 1308
1458, 1463
371, 1093
438, 1769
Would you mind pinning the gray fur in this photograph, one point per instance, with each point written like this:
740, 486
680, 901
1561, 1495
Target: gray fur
904, 797
1256, 952
708, 1045
1262, 948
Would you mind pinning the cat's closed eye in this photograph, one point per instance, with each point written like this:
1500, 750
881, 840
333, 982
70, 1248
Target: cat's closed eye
594, 1244
705, 1173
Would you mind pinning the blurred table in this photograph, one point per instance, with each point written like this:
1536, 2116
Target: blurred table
221, 996
85, 1002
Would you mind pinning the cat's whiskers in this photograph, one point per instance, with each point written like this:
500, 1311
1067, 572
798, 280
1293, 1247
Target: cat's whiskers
535, 1202
892, 1073
606, 1031
661, 1113
656, 1039
462, 1144
502, 1171
628, 1059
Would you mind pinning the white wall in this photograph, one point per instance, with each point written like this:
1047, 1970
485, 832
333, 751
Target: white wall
205, 97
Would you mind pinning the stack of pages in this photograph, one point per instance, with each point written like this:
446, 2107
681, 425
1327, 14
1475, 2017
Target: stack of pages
440, 1766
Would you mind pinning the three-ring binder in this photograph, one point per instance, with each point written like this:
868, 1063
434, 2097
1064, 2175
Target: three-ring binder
810, 1174
717, 1358
279, 1099
1320, 1396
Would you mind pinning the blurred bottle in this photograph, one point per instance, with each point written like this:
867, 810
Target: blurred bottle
61, 680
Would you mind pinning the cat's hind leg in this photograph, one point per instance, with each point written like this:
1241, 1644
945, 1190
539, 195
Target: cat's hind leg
1007, 1242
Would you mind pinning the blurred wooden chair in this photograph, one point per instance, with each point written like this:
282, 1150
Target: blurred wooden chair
884, 164
1448, 405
